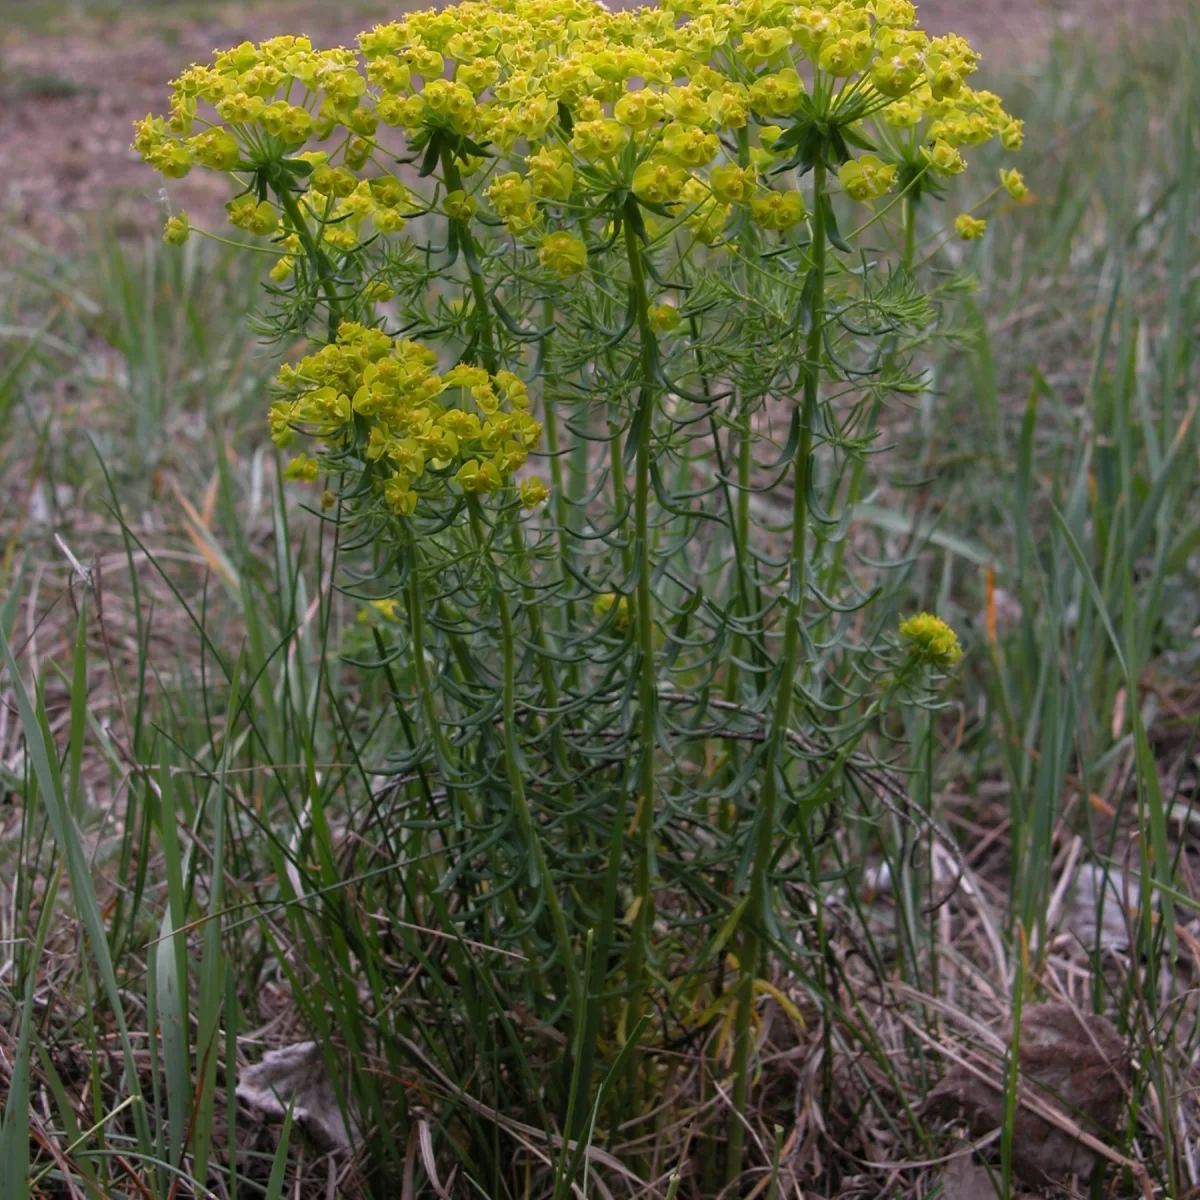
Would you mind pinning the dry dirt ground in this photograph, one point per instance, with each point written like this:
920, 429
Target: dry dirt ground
73, 80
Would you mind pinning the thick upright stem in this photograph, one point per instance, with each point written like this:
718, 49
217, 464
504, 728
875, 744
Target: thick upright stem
910, 229
416, 622
491, 363
546, 667
562, 504
470, 252
516, 781
442, 757
316, 256
757, 915
644, 615
741, 539
854, 490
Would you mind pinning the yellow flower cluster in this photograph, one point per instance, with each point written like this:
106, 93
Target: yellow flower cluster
177, 229
574, 98
969, 228
1013, 182
930, 641
381, 401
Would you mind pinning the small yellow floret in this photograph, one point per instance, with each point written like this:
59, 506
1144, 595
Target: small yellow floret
969, 228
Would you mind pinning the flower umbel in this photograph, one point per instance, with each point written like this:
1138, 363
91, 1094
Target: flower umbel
930, 641
376, 405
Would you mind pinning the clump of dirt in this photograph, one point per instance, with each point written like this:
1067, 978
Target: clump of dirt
1073, 1065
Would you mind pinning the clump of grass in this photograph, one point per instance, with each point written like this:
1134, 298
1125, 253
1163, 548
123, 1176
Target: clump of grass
205, 854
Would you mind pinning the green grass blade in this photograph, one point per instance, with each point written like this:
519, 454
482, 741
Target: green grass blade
83, 892
11, 377
171, 968
1146, 766
212, 962
79, 699
14, 1133
279, 1165
171, 990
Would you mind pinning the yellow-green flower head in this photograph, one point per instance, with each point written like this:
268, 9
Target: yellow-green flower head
846, 56
459, 206
664, 318
898, 13
177, 229
302, 469
969, 228
689, 145
598, 139
708, 216
216, 149
551, 173
945, 159
533, 492
778, 210
478, 478
764, 44
378, 291
897, 70
388, 608
333, 181
562, 253
639, 110
777, 95
381, 401
388, 192
1013, 182
866, 178
930, 641
387, 220
512, 198
659, 181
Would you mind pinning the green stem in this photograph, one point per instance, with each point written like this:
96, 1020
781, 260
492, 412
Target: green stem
562, 505
740, 517
491, 363
741, 539
910, 230
745, 467
316, 256
442, 757
416, 624
765, 835
745, 436
470, 252
854, 491
546, 665
512, 768
644, 615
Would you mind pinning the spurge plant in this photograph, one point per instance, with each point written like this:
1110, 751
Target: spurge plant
602, 312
